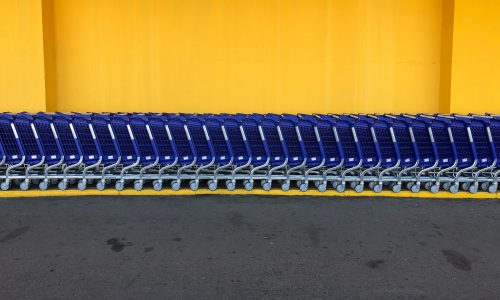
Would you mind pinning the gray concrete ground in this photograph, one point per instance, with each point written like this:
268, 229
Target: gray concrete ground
253, 247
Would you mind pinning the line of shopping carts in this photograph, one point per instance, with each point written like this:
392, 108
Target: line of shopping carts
376, 151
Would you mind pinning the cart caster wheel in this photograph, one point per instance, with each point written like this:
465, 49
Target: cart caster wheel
120, 185
248, 185
377, 188
212, 185
340, 188
321, 187
25, 185
466, 186
304, 187
317, 183
138, 185
82, 185
101, 185
372, 185
54, 181
176, 185
415, 188
285, 186
446, 186
396, 188
231, 185
193, 184
353, 184
63, 185
493, 188
473, 188
72, 181
428, 185
299, 183
267, 186
434, 189
454, 188
359, 188
334, 184
157, 185
484, 186
409, 185
44, 185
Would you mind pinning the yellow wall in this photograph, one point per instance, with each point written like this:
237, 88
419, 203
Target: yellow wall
245, 56
476, 57
21, 56
250, 56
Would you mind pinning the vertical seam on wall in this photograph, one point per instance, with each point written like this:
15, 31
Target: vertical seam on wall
447, 21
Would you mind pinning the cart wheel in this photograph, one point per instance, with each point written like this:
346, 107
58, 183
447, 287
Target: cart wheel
454, 188
193, 184
44, 185
322, 187
340, 188
415, 188
372, 185
409, 185
230, 185
157, 185
299, 183
396, 188
493, 188
101, 185
466, 186
304, 187
377, 188
72, 180
359, 188
434, 189
473, 188
317, 183
63, 185
285, 186
176, 185
446, 186
267, 186
353, 184
35, 181
25, 185
82, 185
248, 185
138, 185
335, 184
54, 181
212, 185
484, 186
120, 185
428, 185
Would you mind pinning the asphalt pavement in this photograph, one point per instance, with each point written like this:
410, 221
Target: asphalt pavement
249, 247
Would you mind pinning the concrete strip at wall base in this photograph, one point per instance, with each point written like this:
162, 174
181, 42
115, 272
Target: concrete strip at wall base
186, 192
